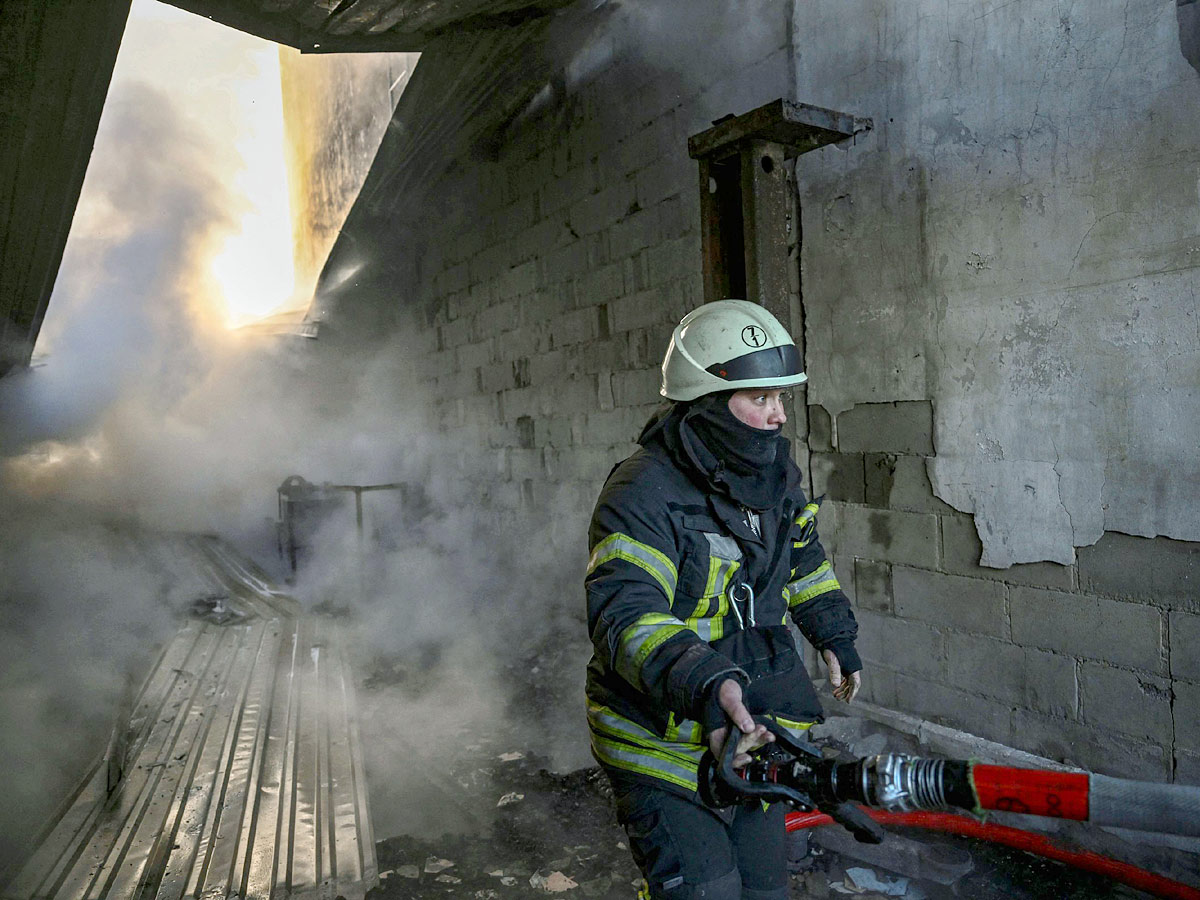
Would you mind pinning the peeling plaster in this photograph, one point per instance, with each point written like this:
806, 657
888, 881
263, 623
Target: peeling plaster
1024, 258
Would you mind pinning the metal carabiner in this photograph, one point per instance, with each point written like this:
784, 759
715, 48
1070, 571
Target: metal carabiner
748, 599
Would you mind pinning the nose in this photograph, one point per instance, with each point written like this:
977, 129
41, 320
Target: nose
777, 416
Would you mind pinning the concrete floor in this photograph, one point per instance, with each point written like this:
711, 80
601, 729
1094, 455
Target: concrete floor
505, 825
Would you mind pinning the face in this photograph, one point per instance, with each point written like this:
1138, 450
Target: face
759, 408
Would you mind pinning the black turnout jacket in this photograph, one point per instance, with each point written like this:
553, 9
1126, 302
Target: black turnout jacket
669, 581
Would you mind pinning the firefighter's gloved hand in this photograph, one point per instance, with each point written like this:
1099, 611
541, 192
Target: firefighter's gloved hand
729, 697
845, 687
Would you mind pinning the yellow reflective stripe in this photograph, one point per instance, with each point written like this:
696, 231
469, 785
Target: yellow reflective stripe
791, 725
604, 720
641, 639
809, 512
820, 581
717, 628
622, 546
806, 521
620, 742
684, 730
601, 718
644, 761
720, 574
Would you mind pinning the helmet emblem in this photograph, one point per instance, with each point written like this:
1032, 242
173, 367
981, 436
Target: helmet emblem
753, 336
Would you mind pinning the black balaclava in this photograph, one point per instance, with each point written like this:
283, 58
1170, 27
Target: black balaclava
747, 463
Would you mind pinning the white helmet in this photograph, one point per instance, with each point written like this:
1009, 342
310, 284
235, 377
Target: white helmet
729, 345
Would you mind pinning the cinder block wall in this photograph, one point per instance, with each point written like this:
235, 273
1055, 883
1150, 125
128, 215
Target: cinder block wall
551, 275
1093, 663
970, 271
546, 282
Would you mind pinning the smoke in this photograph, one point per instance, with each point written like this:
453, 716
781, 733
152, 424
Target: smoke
147, 417
682, 43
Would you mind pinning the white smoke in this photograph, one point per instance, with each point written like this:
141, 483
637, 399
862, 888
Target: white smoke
147, 416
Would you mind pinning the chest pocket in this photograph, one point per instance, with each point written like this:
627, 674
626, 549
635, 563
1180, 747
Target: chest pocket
711, 563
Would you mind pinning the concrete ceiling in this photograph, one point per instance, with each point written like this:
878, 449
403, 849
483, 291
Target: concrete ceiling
338, 26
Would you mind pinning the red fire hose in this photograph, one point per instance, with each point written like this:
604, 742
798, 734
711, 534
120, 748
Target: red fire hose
1019, 840
894, 789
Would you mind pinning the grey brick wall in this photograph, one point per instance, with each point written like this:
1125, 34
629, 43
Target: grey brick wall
1096, 664
548, 280
551, 271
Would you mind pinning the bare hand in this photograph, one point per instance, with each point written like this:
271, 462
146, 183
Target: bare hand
844, 688
729, 697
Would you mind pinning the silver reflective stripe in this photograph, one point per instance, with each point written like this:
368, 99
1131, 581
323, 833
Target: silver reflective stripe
619, 742
689, 730
817, 582
621, 546
723, 545
646, 761
640, 639
703, 627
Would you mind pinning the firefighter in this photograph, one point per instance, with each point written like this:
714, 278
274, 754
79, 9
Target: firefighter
702, 545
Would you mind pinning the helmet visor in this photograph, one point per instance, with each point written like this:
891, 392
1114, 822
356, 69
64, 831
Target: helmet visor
772, 362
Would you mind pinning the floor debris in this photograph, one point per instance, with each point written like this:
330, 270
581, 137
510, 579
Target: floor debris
561, 838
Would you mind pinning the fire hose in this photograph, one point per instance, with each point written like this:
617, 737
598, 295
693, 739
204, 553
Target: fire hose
895, 789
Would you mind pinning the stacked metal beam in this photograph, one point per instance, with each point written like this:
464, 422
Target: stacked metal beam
238, 773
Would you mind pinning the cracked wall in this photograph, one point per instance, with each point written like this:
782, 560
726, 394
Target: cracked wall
1028, 207
1004, 351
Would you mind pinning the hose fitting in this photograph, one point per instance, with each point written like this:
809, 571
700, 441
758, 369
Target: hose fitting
900, 783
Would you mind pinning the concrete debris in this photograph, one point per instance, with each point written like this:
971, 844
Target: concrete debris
865, 883
433, 865
219, 609
871, 745
510, 798
554, 883
408, 871
901, 855
511, 757
448, 879
861, 880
